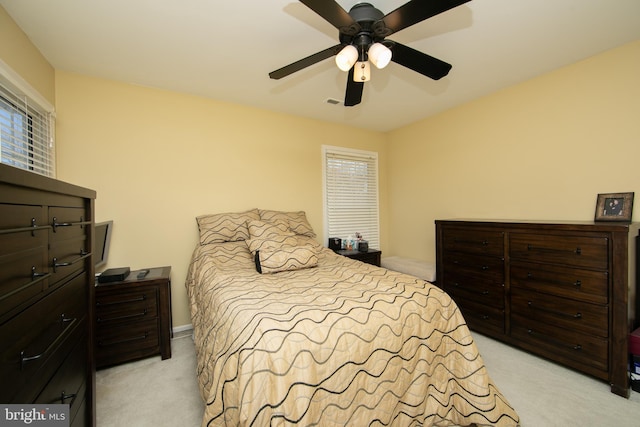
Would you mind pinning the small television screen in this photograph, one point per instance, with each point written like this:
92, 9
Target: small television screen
101, 243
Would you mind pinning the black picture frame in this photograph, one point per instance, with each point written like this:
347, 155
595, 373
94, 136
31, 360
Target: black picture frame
614, 207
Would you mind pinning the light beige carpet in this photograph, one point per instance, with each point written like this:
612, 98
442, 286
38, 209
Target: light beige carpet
154, 392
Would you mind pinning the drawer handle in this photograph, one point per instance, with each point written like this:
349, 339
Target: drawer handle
32, 228
105, 304
35, 278
127, 316
57, 224
576, 251
64, 396
138, 338
35, 275
472, 242
83, 255
576, 347
24, 359
556, 312
577, 283
462, 264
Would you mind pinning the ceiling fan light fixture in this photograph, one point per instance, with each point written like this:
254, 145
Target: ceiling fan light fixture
380, 55
362, 71
347, 57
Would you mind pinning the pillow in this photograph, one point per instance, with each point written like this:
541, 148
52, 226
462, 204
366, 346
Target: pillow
263, 229
225, 227
297, 221
265, 235
285, 258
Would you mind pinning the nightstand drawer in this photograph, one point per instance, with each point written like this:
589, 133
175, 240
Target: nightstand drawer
127, 341
372, 256
126, 306
133, 318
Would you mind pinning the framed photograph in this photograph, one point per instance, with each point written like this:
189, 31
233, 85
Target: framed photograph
614, 207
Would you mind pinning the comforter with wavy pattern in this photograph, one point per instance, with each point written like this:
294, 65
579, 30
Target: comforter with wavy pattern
341, 344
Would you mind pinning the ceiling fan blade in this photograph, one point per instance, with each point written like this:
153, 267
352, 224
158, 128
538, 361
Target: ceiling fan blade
416, 11
305, 62
419, 62
353, 94
331, 12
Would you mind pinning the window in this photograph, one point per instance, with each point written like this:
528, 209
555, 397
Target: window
351, 194
26, 128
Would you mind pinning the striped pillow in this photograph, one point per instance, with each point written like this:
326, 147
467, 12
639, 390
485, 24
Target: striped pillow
225, 227
297, 221
286, 258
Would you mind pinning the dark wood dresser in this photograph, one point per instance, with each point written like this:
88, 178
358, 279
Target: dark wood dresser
561, 290
133, 318
46, 293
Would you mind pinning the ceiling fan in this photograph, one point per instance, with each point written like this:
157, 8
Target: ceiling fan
362, 34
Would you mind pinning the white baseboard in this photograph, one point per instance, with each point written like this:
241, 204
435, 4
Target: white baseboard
182, 330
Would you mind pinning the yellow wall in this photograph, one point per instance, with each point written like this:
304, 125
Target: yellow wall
543, 149
539, 150
158, 159
17, 51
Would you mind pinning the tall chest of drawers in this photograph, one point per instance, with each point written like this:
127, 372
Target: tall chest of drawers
565, 291
46, 293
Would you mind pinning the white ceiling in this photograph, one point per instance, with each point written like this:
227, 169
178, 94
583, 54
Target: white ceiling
224, 49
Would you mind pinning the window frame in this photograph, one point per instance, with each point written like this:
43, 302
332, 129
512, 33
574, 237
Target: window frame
29, 125
371, 233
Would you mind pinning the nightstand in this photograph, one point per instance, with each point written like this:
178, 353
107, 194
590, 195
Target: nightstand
133, 318
372, 256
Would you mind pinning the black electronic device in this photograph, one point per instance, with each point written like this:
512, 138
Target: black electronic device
363, 246
114, 275
335, 243
101, 243
142, 274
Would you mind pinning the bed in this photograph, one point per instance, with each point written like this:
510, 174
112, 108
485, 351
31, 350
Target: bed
289, 333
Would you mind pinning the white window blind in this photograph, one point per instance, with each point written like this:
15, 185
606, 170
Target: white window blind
26, 131
351, 194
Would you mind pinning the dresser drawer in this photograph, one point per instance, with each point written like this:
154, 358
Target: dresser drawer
561, 312
67, 223
39, 338
22, 216
474, 267
576, 251
24, 271
485, 242
68, 257
127, 341
485, 293
69, 383
579, 284
556, 343
125, 306
482, 318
